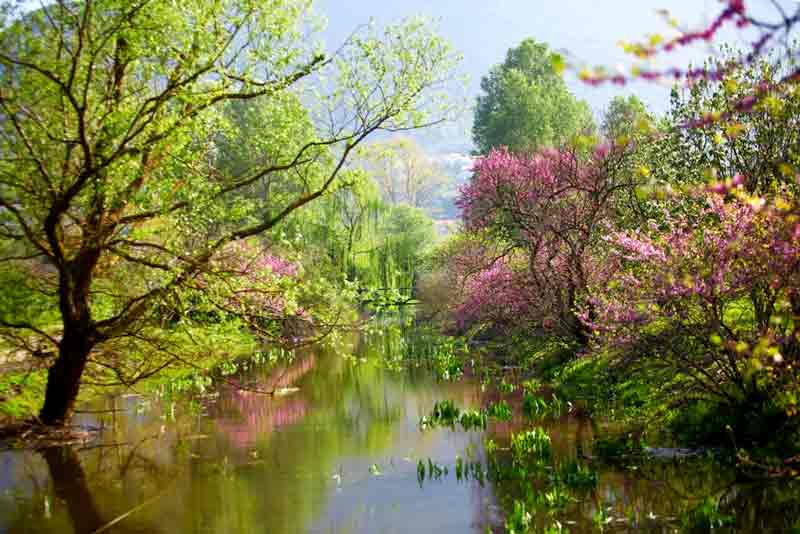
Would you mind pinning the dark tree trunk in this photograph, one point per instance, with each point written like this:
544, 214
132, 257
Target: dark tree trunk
577, 328
64, 378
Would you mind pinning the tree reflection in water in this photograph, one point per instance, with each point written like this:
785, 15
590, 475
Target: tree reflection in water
71, 487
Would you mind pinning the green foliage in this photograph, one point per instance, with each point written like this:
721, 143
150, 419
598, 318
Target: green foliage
376, 246
500, 410
530, 445
22, 299
519, 520
706, 517
761, 144
750, 424
525, 104
21, 393
625, 119
536, 406
446, 413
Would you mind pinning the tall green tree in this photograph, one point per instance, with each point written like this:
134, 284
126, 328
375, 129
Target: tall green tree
112, 193
624, 118
525, 103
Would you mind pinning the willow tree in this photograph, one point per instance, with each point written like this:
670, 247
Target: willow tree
110, 117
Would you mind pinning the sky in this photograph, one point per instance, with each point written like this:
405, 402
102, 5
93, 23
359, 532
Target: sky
586, 30
589, 30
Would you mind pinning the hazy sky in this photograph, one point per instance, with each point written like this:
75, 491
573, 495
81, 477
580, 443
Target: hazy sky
589, 30
484, 29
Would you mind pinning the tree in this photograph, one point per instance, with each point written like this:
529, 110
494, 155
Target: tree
708, 296
403, 171
551, 209
525, 104
111, 187
762, 142
624, 117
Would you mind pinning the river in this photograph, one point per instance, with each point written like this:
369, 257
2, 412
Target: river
339, 454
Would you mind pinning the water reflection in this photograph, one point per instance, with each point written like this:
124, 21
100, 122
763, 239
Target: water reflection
337, 455
340, 455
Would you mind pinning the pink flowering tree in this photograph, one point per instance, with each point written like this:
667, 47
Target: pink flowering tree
709, 293
496, 295
255, 286
550, 210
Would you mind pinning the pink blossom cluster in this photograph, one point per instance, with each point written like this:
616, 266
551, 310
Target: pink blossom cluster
506, 183
253, 261
495, 295
549, 211
690, 272
256, 280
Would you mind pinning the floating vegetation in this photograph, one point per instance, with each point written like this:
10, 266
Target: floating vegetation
442, 353
530, 445
535, 406
500, 411
464, 470
506, 387
446, 413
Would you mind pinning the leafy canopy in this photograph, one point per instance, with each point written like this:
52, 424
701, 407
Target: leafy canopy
525, 103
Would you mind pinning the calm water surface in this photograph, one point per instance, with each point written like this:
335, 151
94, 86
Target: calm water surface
339, 455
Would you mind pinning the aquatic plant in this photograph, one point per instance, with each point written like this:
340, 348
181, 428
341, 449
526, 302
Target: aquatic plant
500, 410
530, 445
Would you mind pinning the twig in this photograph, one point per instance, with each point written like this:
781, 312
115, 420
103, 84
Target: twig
128, 513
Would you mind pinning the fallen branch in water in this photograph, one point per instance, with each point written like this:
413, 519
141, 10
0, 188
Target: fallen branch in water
128, 513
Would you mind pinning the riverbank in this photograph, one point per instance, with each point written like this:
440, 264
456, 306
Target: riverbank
637, 409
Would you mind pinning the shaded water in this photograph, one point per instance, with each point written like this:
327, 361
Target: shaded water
338, 455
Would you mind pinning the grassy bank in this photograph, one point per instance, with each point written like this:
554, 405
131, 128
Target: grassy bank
645, 405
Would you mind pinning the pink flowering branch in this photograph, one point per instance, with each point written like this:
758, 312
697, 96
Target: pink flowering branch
684, 294
734, 13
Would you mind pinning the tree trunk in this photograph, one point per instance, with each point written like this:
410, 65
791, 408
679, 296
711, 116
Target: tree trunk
577, 328
64, 378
